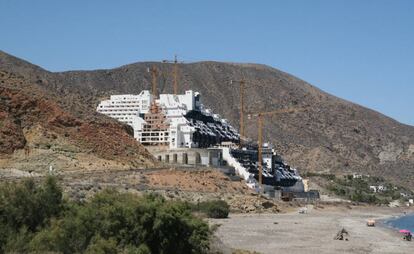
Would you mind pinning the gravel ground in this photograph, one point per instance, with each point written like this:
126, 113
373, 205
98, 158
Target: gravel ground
313, 232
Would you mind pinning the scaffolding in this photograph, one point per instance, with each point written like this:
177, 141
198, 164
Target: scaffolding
155, 131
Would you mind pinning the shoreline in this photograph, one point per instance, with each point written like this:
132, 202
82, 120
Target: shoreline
382, 223
314, 232
386, 222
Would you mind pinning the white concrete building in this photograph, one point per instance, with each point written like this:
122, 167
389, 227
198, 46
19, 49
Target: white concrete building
126, 108
267, 155
190, 123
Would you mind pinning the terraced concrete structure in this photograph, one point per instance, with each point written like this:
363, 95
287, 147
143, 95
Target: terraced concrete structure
175, 121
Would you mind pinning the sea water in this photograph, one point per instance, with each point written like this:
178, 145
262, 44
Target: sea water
402, 222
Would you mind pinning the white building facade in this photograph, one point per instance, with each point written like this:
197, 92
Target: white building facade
190, 123
126, 108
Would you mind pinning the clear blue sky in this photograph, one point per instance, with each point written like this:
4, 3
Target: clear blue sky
361, 50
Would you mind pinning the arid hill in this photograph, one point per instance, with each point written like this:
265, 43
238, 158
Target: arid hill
334, 135
37, 132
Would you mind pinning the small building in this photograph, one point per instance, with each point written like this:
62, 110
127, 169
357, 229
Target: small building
357, 176
379, 188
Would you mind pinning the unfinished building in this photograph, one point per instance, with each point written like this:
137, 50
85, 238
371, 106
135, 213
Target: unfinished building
176, 121
155, 128
185, 131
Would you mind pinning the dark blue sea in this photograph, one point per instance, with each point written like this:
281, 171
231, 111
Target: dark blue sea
403, 222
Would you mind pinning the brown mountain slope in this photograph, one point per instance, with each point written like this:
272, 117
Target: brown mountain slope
333, 136
36, 132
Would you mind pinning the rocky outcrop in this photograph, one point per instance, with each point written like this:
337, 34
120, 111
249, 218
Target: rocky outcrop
32, 120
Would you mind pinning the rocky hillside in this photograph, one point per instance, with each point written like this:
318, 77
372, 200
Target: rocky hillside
37, 132
334, 135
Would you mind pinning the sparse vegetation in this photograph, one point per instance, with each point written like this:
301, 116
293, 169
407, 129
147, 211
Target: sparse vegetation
244, 252
35, 218
218, 209
358, 188
313, 174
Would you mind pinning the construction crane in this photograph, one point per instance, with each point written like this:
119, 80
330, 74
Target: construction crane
175, 72
242, 85
260, 121
241, 82
154, 73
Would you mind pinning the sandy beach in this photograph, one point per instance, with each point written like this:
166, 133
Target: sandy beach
313, 232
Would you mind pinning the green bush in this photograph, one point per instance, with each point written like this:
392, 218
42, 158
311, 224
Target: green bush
29, 205
214, 209
360, 196
36, 219
357, 189
337, 189
24, 208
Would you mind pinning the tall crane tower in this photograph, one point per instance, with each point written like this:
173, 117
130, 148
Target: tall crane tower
242, 86
154, 74
175, 73
241, 82
260, 121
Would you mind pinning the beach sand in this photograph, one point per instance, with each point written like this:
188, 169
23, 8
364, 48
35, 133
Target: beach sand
313, 232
